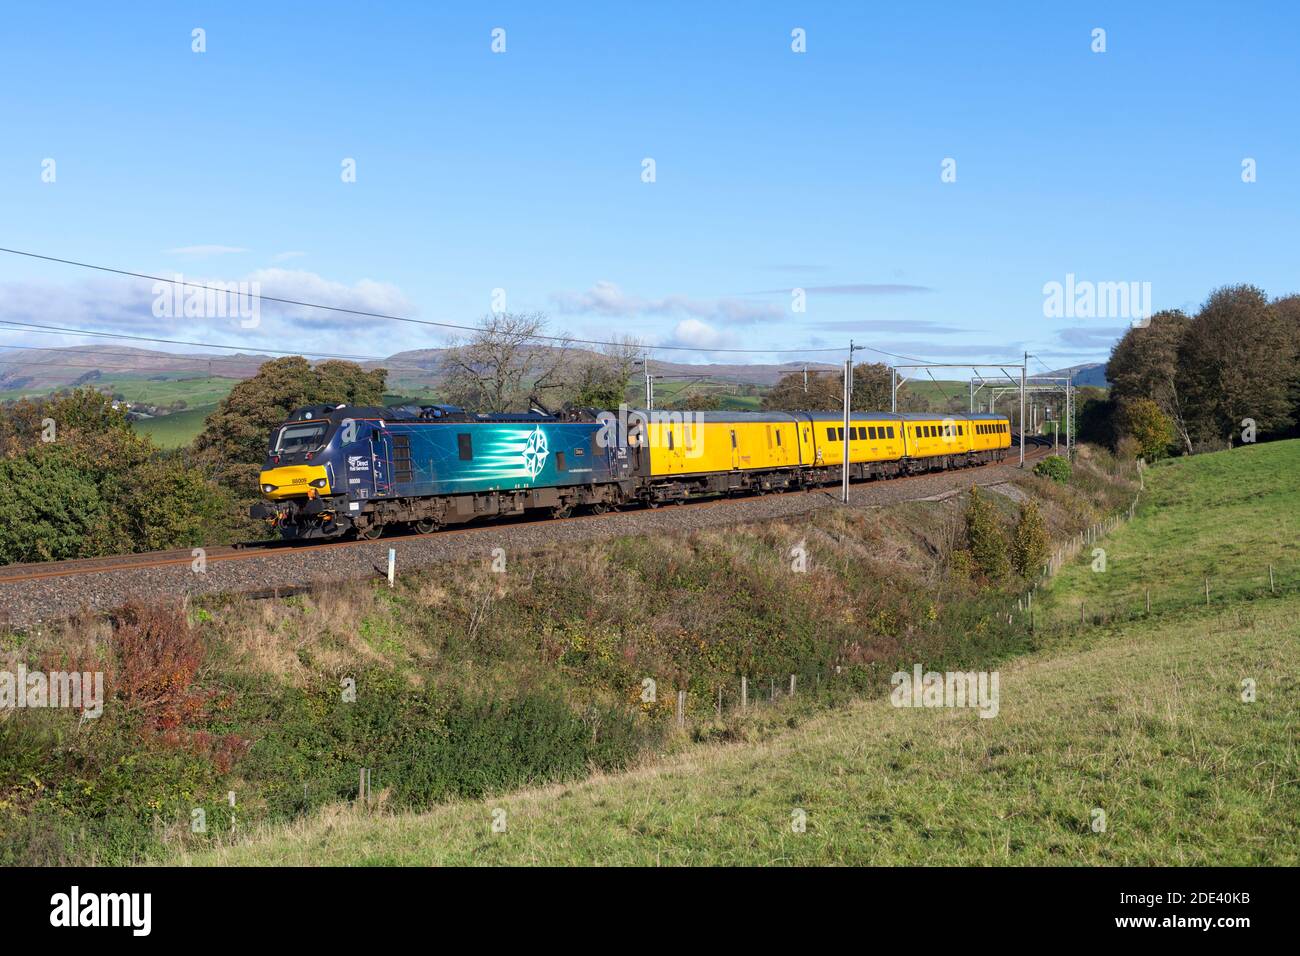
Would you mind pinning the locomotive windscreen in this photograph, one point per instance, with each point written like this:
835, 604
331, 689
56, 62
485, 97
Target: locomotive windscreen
302, 436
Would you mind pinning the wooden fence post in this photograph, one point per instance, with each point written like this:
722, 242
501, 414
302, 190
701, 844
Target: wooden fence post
791, 685
681, 708
744, 692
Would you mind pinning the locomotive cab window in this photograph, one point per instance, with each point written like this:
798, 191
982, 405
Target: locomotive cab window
300, 436
465, 445
830, 434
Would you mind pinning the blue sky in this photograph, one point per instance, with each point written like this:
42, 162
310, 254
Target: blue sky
774, 170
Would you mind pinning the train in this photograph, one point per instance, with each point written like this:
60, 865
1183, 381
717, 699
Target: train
332, 471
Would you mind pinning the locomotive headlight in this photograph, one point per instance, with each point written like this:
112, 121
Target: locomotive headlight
317, 482
268, 488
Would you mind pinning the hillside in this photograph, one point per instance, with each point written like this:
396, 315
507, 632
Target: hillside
1146, 725
1222, 518
1143, 720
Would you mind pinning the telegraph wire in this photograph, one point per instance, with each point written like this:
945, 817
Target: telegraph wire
361, 313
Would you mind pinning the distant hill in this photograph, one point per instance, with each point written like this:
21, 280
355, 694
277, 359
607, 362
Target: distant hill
1092, 373
48, 369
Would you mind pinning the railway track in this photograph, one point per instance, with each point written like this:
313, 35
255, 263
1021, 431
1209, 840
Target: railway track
87, 567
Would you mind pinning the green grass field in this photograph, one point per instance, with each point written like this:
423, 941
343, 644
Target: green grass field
1225, 516
177, 429
1147, 725
1143, 721
163, 389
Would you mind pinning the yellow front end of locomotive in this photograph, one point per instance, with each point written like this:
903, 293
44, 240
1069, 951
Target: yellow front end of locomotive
293, 481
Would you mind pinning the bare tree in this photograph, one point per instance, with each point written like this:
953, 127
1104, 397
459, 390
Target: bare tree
503, 363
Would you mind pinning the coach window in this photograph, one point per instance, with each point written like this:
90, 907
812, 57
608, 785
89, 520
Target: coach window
670, 438
560, 464
464, 444
830, 434
778, 438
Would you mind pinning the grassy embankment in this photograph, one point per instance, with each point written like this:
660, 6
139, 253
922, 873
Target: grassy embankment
1226, 517
1144, 721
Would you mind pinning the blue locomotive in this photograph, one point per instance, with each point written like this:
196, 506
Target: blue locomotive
337, 469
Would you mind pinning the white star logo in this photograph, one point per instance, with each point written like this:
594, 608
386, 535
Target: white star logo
535, 453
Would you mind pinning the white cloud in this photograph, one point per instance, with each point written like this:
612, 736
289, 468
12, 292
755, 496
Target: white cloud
607, 299
286, 256
127, 306
699, 335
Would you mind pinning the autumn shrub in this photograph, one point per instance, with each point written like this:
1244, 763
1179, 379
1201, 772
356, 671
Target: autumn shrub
986, 537
78, 482
1029, 545
1054, 467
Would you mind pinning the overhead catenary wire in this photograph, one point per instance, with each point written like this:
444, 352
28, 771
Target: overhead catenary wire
362, 313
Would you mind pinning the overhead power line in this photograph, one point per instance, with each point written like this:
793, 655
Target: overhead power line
362, 313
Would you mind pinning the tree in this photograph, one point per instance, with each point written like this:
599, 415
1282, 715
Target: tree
1150, 427
91, 486
1288, 311
986, 537
1097, 421
501, 365
233, 442
825, 390
1145, 364
1237, 358
600, 379
871, 385
50, 511
1030, 545
708, 402
167, 507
